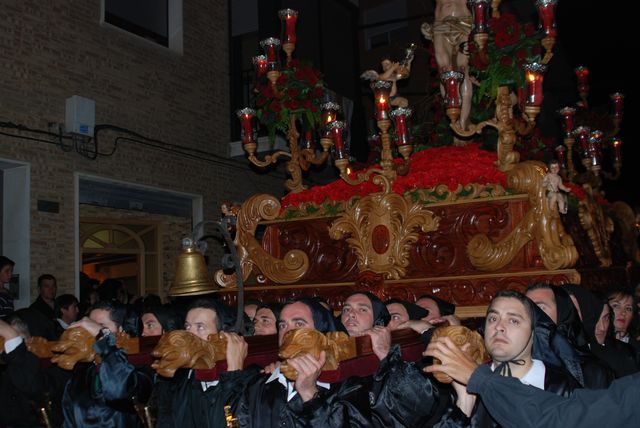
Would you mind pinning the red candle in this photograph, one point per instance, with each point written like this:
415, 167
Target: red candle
246, 116
582, 134
400, 115
534, 84
260, 64
595, 140
617, 99
271, 48
617, 150
582, 73
329, 114
451, 81
547, 10
381, 91
336, 128
308, 139
480, 12
567, 114
288, 18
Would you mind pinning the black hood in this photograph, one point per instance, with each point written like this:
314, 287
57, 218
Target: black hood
322, 317
569, 324
590, 308
415, 312
444, 307
166, 316
552, 348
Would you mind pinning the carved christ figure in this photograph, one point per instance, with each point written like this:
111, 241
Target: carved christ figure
450, 34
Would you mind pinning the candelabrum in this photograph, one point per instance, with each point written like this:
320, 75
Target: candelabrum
384, 119
529, 99
590, 141
300, 158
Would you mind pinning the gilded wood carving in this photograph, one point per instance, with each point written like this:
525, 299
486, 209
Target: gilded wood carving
181, 349
338, 346
287, 270
461, 335
381, 228
598, 226
541, 223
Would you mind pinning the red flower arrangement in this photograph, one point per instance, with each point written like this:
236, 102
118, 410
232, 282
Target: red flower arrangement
299, 90
510, 46
450, 165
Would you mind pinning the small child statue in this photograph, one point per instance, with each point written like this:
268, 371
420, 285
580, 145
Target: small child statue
553, 183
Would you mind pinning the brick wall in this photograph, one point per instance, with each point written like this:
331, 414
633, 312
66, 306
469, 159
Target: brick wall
54, 49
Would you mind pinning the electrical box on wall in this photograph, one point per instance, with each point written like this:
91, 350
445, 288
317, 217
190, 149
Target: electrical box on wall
80, 115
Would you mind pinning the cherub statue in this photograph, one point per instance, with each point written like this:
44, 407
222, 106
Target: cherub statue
393, 71
553, 183
450, 35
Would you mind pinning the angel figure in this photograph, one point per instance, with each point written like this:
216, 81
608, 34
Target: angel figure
393, 71
553, 183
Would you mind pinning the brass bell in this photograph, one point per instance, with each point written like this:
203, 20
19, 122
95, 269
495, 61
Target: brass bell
192, 276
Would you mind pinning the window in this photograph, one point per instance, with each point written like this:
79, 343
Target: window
159, 21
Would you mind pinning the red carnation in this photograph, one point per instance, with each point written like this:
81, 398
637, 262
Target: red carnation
282, 80
293, 93
276, 107
506, 61
521, 54
529, 29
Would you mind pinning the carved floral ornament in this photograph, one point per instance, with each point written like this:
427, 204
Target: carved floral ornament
381, 228
541, 223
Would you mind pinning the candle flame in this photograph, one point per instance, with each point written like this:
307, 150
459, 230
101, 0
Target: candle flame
348, 170
382, 99
531, 77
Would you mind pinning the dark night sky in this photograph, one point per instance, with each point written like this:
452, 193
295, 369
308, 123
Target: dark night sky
602, 37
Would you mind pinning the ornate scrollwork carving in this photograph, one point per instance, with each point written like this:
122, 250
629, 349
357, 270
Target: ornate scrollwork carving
598, 226
285, 271
541, 223
381, 228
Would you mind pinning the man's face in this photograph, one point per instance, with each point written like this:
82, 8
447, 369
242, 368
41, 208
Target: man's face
357, 314
508, 330
265, 322
202, 322
292, 317
398, 314
603, 325
70, 314
5, 274
431, 306
102, 317
546, 300
48, 289
150, 325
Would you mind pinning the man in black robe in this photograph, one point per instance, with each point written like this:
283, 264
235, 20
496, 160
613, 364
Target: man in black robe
184, 401
615, 406
557, 304
104, 395
516, 334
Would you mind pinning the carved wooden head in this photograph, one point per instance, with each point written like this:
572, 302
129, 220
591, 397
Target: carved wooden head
338, 346
40, 347
75, 345
461, 335
181, 349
